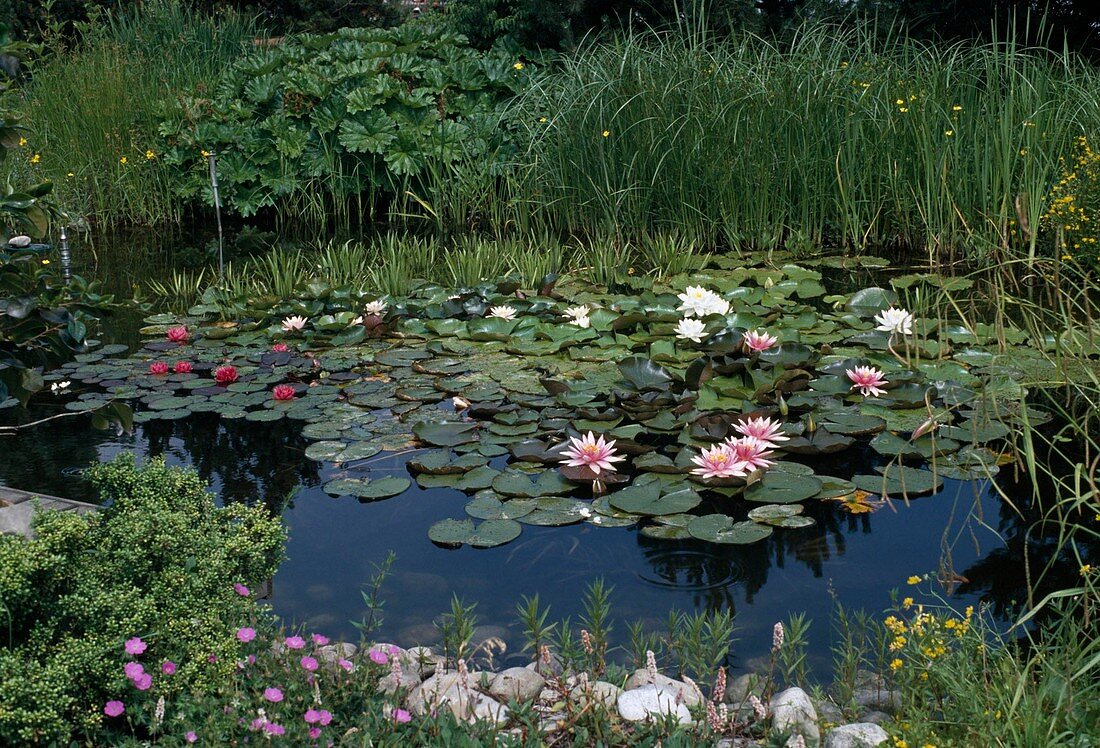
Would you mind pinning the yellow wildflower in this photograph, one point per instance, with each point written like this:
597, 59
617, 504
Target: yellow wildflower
606, 133
895, 664
1086, 569
205, 154
36, 158
956, 108
542, 119
913, 580
22, 142
949, 133
907, 603
149, 155
45, 262
903, 109
518, 66
70, 174
122, 160
899, 102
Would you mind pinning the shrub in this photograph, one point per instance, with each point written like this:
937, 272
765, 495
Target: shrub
158, 563
361, 111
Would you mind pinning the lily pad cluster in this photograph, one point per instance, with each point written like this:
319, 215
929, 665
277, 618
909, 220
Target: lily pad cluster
484, 403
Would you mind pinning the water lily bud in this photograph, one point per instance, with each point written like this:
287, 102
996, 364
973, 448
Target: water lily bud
768, 283
811, 424
783, 407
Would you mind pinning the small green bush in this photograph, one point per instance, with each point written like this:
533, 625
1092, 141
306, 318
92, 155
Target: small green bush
360, 112
159, 563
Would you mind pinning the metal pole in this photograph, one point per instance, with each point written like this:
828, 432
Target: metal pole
217, 212
66, 259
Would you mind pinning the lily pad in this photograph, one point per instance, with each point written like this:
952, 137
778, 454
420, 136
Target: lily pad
783, 488
719, 528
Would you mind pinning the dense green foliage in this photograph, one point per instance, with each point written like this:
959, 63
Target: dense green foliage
358, 113
158, 563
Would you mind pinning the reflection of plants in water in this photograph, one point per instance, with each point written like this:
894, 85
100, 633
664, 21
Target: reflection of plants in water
251, 464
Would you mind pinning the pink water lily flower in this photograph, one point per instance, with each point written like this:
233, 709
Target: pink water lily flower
759, 341
158, 368
764, 429
283, 392
751, 451
868, 380
718, 462
178, 334
182, 367
294, 324
280, 348
593, 453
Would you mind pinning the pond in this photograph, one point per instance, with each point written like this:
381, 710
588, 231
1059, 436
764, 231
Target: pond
964, 534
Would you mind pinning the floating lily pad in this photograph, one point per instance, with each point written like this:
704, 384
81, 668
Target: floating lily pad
719, 528
900, 481
652, 498
446, 433
783, 488
487, 505
780, 515
487, 534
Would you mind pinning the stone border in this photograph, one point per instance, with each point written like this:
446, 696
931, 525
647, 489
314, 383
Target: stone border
17, 509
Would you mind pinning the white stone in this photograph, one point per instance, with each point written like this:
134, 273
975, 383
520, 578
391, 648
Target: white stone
793, 711
858, 735
330, 653
639, 704
445, 690
692, 696
516, 683
19, 242
600, 692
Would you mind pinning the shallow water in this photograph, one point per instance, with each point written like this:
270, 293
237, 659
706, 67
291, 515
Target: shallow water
964, 533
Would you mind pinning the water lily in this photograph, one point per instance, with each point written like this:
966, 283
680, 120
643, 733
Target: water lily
718, 305
575, 312
868, 380
894, 320
357, 321
280, 348
158, 368
283, 392
697, 301
718, 462
750, 451
582, 321
294, 324
178, 334
763, 429
759, 341
182, 367
225, 375
503, 312
377, 308
58, 387
593, 453
691, 329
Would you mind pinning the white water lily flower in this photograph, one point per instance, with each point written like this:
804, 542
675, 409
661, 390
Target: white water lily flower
294, 324
59, 387
376, 308
718, 305
503, 312
357, 321
697, 301
895, 321
576, 312
691, 329
581, 321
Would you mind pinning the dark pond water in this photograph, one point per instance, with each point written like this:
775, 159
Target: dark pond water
964, 533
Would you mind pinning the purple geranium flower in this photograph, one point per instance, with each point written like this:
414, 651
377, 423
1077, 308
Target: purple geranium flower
114, 708
295, 642
241, 590
246, 634
168, 667
133, 670
308, 663
273, 695
135, 646
191, 737
143, 682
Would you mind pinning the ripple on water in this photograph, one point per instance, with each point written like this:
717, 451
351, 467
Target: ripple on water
683, 569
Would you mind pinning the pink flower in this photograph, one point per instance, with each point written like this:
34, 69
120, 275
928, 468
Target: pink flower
178, 334
400, 715
308, 663
759, 341
326, 717
273, 695
317, 717
240, 589
315, 732
245, 635
114, 708
283, 392
750, 451
224, 375
868, 380
594, 454
295, 642
257, 724
251, 659
158, 368
135, 646
764, 429
190, 737
346, 664
182, 367
133, 670
143, 682
273, 729
294, 324
168, 667
319, 639
718, 462
280, 348
378, 657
